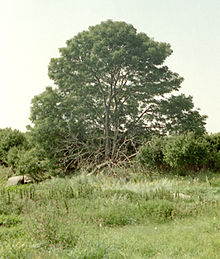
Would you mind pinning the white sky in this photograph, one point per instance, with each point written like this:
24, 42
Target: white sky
33, 30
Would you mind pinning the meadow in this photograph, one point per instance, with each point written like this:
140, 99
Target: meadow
131, 215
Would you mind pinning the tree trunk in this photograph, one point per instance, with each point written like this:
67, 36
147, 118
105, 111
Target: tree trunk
115, 139
107, 134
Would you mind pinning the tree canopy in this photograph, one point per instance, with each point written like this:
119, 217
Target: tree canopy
113, 89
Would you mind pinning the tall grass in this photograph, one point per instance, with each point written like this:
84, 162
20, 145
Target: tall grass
112, 217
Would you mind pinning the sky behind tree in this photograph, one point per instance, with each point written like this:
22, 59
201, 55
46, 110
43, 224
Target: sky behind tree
32, 31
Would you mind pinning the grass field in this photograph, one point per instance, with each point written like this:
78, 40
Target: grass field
143, 216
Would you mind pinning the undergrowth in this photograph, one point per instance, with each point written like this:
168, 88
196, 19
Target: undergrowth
110, 217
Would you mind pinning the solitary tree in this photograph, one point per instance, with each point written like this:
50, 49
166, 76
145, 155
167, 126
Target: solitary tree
112, 85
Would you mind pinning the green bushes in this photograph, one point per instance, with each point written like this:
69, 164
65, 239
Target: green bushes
182, 153
10, 139
186, 152
22, 156
151, 153
214, 149
35, 163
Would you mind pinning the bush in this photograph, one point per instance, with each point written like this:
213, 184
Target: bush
35, 163
187, 152
182, 153
9, 139
151, 153
13, 157
214, 151
18, 152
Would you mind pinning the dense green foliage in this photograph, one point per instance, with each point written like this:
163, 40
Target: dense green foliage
148, 216
185, 153
35, 162
19, 153
113, 90
181, 153
10, 139
214, 151
151, 153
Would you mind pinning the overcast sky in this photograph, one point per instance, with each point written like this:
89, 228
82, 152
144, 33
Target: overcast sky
32, 31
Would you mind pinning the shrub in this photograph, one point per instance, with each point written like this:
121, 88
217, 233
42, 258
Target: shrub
13, 156
35, 163
8, 139
214, 151
151, 153
18, 152
186, 152
182, 153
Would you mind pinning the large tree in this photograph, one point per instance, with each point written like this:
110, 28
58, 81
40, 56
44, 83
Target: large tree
112, 85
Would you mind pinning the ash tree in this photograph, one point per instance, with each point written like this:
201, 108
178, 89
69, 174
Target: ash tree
112, 90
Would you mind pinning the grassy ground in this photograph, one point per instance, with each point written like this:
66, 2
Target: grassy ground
112, 217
